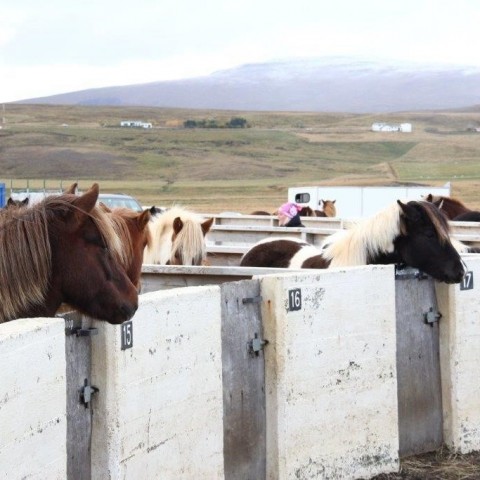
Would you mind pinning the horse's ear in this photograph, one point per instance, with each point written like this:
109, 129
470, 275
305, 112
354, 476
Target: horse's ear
71, 189
429, 198
177, 225
409, 211
206, 225
143, 218
10, 201
333, 201
25, 201
87, 201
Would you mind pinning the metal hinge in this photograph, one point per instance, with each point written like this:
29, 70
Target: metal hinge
255, 345
432, 316
86, 393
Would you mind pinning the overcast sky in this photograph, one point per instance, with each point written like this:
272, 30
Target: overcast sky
62, 46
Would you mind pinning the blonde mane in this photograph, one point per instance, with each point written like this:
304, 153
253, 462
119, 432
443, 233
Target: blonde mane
188, 245
26, 251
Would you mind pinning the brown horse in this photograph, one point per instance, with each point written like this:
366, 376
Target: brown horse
132, 229
61, 250
415, 234
328, 209
11, 203
454, 209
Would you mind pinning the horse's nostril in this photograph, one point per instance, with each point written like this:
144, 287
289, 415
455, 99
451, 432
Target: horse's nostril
128, 310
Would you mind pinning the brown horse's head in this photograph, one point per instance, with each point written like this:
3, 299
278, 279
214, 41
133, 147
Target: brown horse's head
451, 207
61, 250
328, 208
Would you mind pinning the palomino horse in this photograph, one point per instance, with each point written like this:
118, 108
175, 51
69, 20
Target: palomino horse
415, 234
454, 209
177, 238
61, 250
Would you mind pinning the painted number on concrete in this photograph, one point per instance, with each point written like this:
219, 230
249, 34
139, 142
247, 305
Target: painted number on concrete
467, 282
294, 299
127, 335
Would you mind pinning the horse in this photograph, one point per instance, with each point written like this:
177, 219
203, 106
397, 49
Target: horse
11, 203
454, 209
414, 233
131, 227
260, 212
177, 238
61, 250
328, 209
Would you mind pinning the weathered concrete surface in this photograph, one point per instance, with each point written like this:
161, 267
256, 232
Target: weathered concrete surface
159, 413
33, 427
460, 360
331, 374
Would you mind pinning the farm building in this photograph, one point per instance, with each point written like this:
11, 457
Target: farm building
135, 124
386, 127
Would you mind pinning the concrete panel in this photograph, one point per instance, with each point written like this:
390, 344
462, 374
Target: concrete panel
331, 374
33, 427
459, 360
159, 412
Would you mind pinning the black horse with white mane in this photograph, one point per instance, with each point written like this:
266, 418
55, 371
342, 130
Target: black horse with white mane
414, 233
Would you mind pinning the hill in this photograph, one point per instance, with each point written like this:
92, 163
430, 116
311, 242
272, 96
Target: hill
239, 169
332, 84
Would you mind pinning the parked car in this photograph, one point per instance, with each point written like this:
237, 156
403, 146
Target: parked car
115, 200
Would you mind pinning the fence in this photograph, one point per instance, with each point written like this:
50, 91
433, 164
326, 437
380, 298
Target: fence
191, 389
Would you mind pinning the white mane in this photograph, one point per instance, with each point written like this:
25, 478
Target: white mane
190, 242
365, 240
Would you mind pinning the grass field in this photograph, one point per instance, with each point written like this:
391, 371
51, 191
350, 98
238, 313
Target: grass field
233, 169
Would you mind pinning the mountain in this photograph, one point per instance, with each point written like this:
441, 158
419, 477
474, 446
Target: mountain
332, 84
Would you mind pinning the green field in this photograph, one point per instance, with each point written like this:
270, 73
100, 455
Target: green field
223, 169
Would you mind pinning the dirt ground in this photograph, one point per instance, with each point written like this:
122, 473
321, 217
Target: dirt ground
439, 465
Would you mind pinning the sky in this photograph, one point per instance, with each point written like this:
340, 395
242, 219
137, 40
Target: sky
63, 46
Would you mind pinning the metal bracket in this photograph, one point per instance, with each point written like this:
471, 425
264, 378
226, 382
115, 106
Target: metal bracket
256, 299
402, 272
81, 332
255, 345
86, 393
432, 316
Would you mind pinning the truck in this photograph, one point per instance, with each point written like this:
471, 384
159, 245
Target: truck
359, 202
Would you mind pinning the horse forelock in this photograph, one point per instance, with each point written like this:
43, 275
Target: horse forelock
189, 244
365, 240
124, 252
26, 254
438, 219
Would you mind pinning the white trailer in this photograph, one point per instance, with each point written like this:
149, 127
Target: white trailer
353, 202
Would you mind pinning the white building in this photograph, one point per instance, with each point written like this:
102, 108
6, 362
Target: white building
135, 124
387, 127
